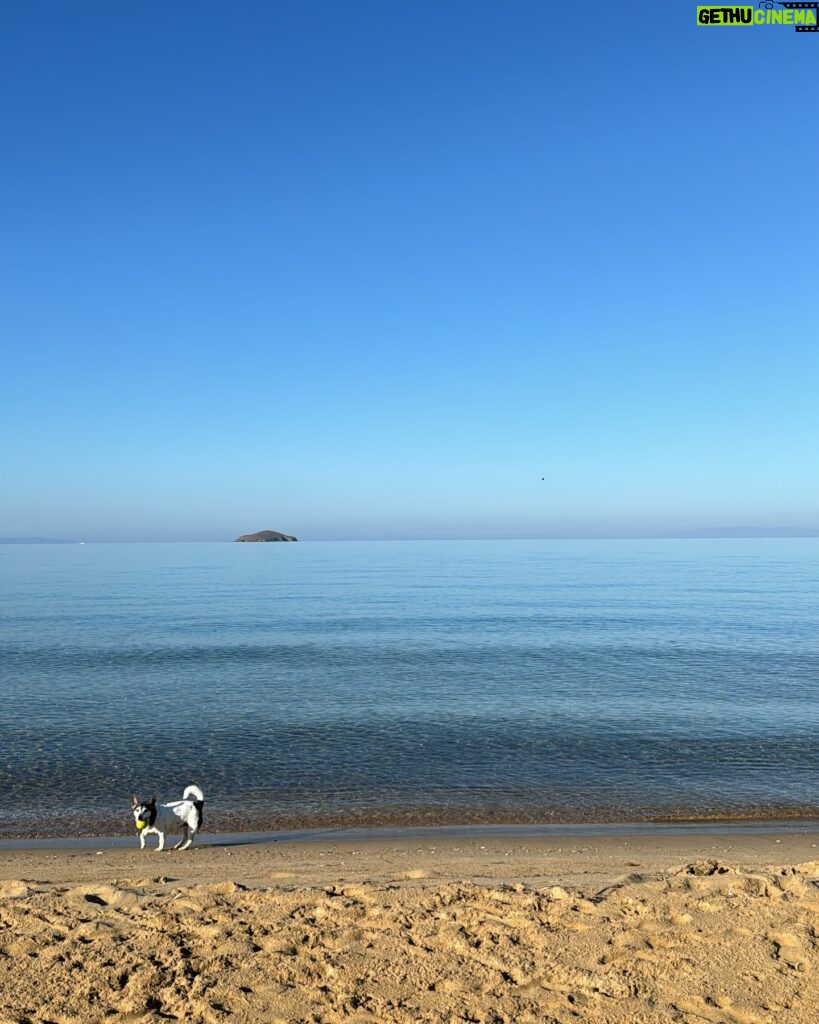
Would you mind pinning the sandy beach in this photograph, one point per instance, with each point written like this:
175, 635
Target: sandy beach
715, 927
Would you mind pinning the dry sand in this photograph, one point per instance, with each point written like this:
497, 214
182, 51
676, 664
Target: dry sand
715, 928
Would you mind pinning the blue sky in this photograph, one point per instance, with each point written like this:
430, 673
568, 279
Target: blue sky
405, 269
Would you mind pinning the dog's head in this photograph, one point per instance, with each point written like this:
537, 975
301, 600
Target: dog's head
144, 811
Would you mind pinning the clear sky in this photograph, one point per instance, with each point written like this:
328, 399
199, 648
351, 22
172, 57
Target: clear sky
405, 268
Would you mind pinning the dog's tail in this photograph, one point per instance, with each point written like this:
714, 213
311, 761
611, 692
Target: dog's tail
195, 794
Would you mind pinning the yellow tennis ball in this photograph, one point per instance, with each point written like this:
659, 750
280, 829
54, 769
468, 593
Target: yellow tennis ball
141, 824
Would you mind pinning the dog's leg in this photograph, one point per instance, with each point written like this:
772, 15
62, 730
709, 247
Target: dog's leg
142, 840
184, 842
161, 845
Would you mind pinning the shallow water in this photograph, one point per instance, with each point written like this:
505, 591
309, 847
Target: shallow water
389, 682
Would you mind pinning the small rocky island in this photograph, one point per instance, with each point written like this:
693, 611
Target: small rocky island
263, 537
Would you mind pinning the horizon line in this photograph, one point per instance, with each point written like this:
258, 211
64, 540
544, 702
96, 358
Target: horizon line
706, 533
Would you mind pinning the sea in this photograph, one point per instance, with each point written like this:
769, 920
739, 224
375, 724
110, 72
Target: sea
426, 682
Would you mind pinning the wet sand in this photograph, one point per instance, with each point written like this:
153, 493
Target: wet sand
717, 926
46, 822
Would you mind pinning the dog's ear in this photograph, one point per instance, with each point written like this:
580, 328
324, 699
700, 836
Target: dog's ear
134, 801
152, 801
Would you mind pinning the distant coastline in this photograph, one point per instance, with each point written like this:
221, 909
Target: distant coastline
36, 540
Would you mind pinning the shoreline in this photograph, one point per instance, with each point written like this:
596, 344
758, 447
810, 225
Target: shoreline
99, 826
723, 827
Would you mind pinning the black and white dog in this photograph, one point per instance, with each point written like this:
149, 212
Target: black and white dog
183, 816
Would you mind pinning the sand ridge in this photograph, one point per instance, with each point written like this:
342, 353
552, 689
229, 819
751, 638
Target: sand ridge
708, 940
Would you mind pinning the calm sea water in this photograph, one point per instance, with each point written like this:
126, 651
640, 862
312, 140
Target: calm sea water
433, 681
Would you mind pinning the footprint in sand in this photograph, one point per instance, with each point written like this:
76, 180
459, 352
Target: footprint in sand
719, 1010
13, 890
105, 896
789, 950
